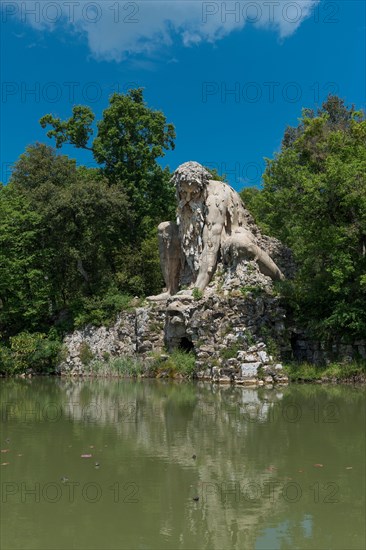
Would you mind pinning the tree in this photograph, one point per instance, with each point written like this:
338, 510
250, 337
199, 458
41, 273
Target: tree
63, 232
314, 200
24, 289
130, 138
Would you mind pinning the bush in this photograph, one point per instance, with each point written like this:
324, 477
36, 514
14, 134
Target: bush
177, 363
183, 362
128, 367
30, 351
101, 310
307, 372
254, 290
7, 364
85, 353
231, 351
197, 293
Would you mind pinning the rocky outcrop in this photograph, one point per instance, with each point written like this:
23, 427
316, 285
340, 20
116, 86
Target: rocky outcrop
236, 339
235, 329
135, 333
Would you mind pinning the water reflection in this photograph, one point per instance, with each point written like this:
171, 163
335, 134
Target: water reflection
111, 465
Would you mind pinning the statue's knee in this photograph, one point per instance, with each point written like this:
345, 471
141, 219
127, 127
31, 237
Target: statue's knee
168, 229
253, 249
163, 227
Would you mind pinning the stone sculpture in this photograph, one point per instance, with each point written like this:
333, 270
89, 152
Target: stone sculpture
211, 225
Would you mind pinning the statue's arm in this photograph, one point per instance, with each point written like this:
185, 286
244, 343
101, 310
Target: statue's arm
170, 255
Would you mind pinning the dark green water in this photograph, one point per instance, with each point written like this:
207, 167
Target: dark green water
274, 469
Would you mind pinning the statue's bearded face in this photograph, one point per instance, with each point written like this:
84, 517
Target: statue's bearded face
189, 191
191, 220
191, 181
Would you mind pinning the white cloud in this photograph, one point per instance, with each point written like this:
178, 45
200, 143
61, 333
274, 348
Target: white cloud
115, 29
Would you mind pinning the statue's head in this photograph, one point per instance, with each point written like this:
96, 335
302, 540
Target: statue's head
190, 180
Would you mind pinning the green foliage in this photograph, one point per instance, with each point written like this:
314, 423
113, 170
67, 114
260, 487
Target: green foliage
85, 353
30, 352
62, 240
253, 290
39, 170
76, 130
215, 175
249, 338
24, 290
178, 363
231, 351
306, 372
252, 199
197, 294
130, 138
102, 310
182, 362
314, 200
75, 243
124, 367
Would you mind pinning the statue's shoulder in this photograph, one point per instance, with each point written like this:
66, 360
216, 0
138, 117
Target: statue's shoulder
216, 187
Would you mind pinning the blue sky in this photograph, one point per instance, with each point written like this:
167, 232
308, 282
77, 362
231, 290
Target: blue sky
229, 75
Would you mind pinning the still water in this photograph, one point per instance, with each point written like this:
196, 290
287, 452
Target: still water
110, 464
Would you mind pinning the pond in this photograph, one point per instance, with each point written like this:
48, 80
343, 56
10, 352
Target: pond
116, 464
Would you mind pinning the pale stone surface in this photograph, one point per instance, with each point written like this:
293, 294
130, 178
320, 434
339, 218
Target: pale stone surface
263, 356
243, 356
250, 370
212, 326
212, 225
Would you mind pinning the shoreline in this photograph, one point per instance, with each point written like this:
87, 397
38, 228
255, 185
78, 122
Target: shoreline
351, 380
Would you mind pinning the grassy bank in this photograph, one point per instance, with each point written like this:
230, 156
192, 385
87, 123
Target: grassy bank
334, 372
178, 365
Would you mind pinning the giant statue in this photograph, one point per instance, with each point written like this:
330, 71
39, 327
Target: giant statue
211, 225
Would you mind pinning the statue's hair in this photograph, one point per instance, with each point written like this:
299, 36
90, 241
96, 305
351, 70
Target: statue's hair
192, 173
191, 216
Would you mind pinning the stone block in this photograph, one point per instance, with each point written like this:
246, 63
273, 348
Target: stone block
246, 357
145, 346
249, 370
283, 380
263, 356
232, 362
250, 381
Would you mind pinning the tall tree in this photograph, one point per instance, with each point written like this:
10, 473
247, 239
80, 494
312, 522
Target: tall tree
314, 200
63, 233
130, 138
